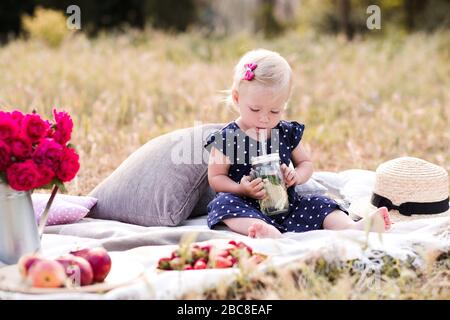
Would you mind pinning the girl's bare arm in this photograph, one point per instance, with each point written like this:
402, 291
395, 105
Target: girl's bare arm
218, 168
302, 163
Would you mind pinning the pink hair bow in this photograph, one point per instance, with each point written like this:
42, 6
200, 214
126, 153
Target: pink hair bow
249, 74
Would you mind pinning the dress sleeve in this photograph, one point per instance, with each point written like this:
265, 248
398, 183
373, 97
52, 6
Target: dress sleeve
296, 133
216, 140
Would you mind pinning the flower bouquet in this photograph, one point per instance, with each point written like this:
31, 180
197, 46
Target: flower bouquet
35, 153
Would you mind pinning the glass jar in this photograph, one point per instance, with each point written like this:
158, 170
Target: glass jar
267, 167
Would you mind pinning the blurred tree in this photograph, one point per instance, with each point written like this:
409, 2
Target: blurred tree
265, 19
10, 13
175, 15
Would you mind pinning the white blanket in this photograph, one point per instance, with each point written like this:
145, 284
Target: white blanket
146, 245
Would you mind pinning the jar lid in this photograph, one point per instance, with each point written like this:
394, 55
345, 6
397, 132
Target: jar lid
265, 158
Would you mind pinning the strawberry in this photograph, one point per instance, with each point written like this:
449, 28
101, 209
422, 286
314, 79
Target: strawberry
176, 263
222, 262
232, 242
164, 264
200, 264
223, 253
198, 253
188, 267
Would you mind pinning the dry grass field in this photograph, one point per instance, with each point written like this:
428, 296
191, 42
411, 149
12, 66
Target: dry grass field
363, 103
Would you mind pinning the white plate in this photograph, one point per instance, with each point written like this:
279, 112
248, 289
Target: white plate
123, 271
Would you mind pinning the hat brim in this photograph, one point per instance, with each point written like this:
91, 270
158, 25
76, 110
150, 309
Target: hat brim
360, 208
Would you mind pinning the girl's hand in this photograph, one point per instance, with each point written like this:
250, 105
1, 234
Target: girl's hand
253, 189
289, 175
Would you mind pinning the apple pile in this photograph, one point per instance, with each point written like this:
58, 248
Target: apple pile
78, 268
198, 257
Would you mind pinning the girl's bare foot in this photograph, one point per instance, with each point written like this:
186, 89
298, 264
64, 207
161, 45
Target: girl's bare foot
263, 230
379, 220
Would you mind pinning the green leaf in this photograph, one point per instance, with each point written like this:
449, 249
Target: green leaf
60, 185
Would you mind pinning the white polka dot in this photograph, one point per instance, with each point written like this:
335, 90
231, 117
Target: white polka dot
315, 225
217, 202
298, 224
273, 221
286, 130
243, 211
281, 143
251, 144
290, 222
321, 206
329, 205
223, 207
284, 136
237, 207
235, 214
296, 208
309, 199
228, 211
318, 215
251, 216
310, 217
306, 208
293, 216
301, 216
226, 197
284, 155
313, 207
231, 201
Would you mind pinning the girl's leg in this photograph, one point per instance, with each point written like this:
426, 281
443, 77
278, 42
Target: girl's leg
254, 228
338, 220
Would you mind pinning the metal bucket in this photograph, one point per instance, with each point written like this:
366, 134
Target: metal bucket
18, 228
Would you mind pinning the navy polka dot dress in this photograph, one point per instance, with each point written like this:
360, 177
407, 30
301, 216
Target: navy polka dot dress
305, 213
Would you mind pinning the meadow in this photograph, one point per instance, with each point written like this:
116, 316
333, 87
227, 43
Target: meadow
363, 102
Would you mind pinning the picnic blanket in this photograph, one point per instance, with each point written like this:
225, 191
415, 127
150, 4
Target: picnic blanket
146, 245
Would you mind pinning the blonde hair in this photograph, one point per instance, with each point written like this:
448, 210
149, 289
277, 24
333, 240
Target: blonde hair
272, 71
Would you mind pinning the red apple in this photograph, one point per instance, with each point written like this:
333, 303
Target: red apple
77, 269
47, 274
99, 260
26, 261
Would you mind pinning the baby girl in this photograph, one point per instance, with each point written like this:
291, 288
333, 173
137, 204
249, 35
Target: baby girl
260, 91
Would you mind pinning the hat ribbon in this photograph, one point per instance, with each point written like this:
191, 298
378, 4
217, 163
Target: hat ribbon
409, 208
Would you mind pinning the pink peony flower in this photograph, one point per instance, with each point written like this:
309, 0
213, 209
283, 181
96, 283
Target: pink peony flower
69, 165
17, 116
64, 126
34, 127
49, 153
21, 146
8, 126
23, 176
5, 155
46, 175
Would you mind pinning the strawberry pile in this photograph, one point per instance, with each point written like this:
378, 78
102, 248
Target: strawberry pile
197, 257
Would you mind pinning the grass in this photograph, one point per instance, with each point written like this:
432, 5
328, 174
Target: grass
363, 102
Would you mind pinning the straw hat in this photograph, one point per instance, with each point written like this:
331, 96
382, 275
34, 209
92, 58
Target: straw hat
410, 188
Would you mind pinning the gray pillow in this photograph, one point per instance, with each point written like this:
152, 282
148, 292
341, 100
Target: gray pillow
159, 184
